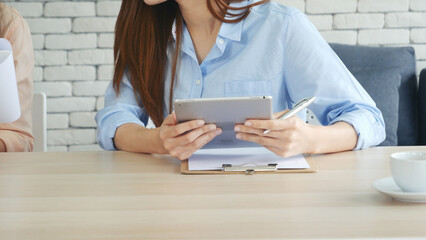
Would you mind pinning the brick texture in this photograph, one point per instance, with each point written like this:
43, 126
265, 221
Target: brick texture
383, 5
31, 9
330, 6
57, 121
418, 5
69, 73
384, 36
49, 25
418, 35
73, 43
322, 22
69, 9
359, 21
82, 119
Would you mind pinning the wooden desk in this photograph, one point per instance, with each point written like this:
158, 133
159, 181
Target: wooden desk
117, 195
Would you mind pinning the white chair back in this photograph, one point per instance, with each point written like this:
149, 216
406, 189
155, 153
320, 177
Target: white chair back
39, 122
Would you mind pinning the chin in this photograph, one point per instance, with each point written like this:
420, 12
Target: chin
154, 2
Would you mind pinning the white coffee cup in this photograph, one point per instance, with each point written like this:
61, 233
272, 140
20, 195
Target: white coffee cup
409, 170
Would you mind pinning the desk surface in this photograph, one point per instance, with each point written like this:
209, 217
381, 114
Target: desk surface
118, 195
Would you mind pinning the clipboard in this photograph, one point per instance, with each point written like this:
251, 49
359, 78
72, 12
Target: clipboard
250, 170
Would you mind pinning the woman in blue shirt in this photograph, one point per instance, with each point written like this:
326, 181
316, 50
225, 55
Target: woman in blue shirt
166, 50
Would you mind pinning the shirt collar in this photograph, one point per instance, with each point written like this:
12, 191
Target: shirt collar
231, 31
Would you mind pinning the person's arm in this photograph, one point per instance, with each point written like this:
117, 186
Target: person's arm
121, 126
349, 115
133, 137
2, 146
178, 140
340, 136
17, 136
120, 111
313, 69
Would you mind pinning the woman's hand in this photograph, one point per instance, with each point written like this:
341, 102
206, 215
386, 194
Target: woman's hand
287, 137
182, 140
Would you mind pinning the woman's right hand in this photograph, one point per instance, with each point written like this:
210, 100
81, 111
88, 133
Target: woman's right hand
183, 139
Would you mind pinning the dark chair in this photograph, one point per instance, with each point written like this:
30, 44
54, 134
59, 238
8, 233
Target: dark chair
422, 108
388, 74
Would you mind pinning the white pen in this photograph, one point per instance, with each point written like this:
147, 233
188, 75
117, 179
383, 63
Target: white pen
302, 104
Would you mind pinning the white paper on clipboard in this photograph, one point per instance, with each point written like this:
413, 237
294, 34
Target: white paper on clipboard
212, 159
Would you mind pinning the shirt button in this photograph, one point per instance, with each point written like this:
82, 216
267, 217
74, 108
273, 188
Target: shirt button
198, 82
221, 41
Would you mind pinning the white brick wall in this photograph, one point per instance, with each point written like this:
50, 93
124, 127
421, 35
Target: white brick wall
383, 5
384, 36
57, 121
71, 41
38, 41
418, 35
69, 9
82, 119
54, 89
74, 59
71, 137
418, 5
405, 20
69, 73
70, 104
108, 8
30, 9
49, 25
330, 6
94, 24
50, 58
38, 74
359, 21
322, 22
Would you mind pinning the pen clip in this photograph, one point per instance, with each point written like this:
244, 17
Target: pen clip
298, 107
301, 102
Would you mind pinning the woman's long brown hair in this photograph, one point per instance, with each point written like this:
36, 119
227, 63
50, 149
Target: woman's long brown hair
142, 34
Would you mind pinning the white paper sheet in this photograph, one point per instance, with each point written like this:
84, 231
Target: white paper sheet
9, 100
212, 159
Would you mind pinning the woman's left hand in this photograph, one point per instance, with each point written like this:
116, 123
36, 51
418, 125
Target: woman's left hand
287, 137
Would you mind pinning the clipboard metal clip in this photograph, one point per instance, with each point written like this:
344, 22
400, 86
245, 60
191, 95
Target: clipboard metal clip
250, 168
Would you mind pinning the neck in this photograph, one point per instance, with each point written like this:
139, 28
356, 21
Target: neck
198, 17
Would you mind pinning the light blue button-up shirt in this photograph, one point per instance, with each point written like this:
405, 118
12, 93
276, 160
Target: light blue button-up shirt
275, 51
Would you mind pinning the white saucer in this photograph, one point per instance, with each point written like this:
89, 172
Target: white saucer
388, 187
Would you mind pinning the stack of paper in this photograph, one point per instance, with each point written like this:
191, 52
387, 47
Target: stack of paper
212, 159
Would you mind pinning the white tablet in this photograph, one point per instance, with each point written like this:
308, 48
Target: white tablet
225, 113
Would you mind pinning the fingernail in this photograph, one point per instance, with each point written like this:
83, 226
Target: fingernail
238, 136
200, 123
212, 127
237, 129
248, 124
218, 132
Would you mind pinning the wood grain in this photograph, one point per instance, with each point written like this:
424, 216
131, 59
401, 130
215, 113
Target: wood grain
118, 195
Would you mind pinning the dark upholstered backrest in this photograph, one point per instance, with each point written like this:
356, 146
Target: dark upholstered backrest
422, 108
359, 59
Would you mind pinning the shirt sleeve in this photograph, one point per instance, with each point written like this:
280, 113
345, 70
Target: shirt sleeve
313, 69
119, 109
17, 135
